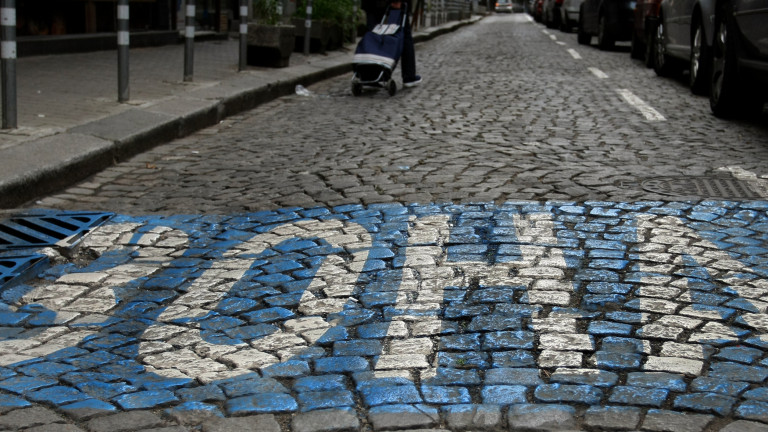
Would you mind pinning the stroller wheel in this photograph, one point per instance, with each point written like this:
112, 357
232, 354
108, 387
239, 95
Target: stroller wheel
357, 89
392, 87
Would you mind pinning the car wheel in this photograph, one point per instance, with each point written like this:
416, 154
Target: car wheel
727, 95
582, 36
661, 63
649, 46
700, 59
604, 39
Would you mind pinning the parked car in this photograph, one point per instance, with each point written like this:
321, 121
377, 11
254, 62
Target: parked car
646, 17
569, 14
504, 6
739, 79
550, 14
536, 9
609, 20
684, 35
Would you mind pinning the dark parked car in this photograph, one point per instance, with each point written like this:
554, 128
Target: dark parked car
683, 39
739, 57
646, 17
551, 13
609, 20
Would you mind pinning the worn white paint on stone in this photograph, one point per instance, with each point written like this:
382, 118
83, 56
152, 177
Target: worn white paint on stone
201, 298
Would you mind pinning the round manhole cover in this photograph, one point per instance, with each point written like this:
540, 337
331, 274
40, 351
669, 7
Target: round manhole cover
710, 187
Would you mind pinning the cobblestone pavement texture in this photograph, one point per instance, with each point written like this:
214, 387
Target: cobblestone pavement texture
509, 246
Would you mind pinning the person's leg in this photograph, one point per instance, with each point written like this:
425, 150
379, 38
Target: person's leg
408, 59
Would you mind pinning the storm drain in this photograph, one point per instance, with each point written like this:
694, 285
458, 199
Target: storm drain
61, 229
15, 268
707, 187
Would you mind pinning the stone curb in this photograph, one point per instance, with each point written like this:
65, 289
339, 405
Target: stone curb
51, 163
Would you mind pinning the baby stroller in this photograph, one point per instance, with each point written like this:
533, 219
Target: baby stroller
378, 52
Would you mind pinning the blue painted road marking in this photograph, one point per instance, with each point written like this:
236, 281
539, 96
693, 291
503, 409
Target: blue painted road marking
644, 304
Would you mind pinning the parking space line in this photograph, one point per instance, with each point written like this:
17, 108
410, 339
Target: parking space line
598, 73
574, 54
647, 111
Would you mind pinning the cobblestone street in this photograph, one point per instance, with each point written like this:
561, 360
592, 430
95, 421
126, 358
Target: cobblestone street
542, 236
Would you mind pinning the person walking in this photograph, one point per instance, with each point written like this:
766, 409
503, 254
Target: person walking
374, 12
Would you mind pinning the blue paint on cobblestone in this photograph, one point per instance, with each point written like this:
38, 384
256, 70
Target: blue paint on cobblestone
309, 401
753, 410
617, 360
504, 394
145, 399
46, 368
662, 380
341, 364
631, 395
94, 405
26, 384
564, 393
107, 390
738, 372
382, 395
705, 402
596, 251
9, 402
714, 385
261, 403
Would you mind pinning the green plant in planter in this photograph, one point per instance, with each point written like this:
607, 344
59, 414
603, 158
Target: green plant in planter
337, 12
267, 12
270, 41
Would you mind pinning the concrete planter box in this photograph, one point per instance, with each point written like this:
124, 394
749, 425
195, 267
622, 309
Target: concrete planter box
270, 46
323, 36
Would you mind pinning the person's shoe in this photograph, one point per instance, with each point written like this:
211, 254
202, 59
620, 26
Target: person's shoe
413, 83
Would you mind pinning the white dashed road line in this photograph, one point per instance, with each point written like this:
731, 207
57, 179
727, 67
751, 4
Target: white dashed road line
647, 111
574, 54
598, 73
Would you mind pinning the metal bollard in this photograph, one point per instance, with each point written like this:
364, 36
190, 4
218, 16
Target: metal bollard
243, 34
307, 27
123, 48
189, 41
8, 60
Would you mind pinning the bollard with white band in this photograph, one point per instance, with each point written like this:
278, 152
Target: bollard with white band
189, 41
8, 60
243, 34
123, 47
307, 27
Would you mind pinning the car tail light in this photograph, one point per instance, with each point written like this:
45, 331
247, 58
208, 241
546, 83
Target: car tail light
559, 2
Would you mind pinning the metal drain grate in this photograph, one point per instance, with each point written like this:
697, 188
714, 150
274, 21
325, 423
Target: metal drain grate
709, 187
14, 268
62, 229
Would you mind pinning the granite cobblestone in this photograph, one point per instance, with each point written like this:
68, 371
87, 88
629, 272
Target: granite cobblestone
520, 290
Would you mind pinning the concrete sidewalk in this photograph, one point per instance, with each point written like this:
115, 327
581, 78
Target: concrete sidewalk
70, 124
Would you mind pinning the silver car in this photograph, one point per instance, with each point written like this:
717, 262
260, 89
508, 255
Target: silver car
569, 14
683, 39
